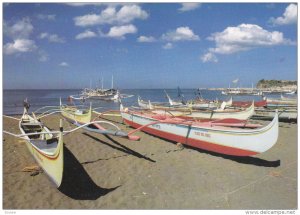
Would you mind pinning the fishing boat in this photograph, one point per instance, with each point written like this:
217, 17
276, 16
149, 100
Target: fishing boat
220, 113
80, 117
149, 105
269, 113
261, 103
240, 91
284, 98
192, 104
101, 93
45, 147
206, 104
174, 103
281, 102
230, 137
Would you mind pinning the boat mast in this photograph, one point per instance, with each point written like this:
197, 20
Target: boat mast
112, 82
102, 82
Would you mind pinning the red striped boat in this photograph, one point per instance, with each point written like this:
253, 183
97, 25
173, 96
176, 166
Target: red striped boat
261, 103
234, 138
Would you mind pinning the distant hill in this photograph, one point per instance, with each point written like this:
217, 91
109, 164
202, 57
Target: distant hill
276, 84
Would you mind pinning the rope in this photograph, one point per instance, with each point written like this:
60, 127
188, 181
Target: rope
39, 117
44, 108
11, 117
21, 136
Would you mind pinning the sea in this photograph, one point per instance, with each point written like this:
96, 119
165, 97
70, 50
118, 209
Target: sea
13, 99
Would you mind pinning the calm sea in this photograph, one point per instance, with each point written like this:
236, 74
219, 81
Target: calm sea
13, 99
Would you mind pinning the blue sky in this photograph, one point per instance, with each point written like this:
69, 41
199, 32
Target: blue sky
149, 45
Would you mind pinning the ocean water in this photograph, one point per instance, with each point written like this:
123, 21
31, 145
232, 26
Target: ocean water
13, 99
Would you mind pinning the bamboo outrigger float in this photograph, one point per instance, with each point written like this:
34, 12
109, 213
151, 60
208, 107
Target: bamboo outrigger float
230, 137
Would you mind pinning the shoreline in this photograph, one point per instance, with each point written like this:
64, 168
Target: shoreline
104, 172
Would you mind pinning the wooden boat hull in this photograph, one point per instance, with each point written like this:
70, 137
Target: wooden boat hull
220, 140
281, 102
247, 104
75, 115
50, 158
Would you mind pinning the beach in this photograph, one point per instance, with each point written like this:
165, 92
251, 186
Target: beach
106, 172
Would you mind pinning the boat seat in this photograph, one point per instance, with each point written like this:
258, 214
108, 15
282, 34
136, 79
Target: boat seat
45, 144
33, 124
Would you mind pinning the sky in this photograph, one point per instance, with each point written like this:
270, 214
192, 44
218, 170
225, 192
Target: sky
147, 45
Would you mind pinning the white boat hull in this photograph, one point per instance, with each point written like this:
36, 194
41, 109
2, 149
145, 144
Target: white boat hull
237, 142
50, 158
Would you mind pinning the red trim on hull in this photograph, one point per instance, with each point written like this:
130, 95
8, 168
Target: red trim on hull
247, 104
193, 142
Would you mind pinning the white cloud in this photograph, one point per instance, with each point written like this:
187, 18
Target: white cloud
50, 17
118, 32
145, 39
168, 46
19, 45
209, 57
180, 34
52, 37
110, 15
20, 30
289, 16
189, 6
86, 34
64, 64
242, 38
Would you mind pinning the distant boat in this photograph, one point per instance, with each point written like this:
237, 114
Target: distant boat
239, 91
292, 92
101, 93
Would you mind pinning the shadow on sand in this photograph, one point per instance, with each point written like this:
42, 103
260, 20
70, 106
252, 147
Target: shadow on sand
120, 147
244, 160
76, 183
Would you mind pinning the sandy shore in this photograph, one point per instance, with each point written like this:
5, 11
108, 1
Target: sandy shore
114, 173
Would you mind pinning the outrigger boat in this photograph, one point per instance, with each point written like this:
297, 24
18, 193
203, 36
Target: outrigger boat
280, 102
193, 104
45, 147
79, 117
206, 104
208, 114
230, 136
284, 98
261, 103
285, 114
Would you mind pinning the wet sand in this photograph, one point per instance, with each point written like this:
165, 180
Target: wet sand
103, 172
